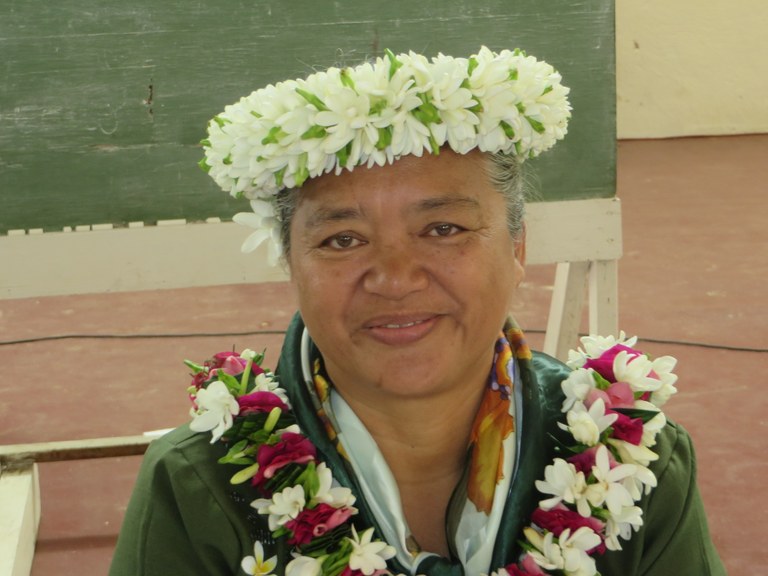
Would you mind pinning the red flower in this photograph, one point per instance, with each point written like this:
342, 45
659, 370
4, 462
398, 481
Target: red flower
260, 402
584, 460
515, 570
316, 522
559, 518
628, 429
349, 572
292, 448
604, 364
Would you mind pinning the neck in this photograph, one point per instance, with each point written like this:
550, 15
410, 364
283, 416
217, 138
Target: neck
422, 439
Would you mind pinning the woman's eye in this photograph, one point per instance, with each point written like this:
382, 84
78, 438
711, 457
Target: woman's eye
444, 230
341, 242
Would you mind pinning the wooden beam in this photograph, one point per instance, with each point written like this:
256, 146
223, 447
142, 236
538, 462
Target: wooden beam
21, 456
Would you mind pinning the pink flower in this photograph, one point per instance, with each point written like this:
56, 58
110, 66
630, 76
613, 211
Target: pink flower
604, 364
260, 402
559, 518
531, 568
231, 363
516, 570
619, 395
292, 448
316, 522
628, 429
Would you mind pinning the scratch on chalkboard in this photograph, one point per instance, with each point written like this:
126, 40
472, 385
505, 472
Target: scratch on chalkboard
375, 43
150, 99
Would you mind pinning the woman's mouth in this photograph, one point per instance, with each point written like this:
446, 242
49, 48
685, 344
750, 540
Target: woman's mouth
401, 331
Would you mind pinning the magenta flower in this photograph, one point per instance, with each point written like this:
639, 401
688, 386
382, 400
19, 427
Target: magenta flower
315, 522
292, 448
231, 363
260, 402
584, 461
628, 429
604, 364
560, 518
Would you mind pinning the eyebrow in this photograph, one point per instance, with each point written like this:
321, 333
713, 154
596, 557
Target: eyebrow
323, 216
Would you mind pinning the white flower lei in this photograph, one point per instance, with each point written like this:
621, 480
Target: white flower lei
279, 136
595, 506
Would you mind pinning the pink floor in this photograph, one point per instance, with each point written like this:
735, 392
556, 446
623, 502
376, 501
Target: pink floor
695, 269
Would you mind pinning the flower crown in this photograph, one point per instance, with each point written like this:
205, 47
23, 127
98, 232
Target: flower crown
373, 114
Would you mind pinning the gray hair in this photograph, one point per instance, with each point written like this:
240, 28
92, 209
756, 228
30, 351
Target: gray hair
505, 172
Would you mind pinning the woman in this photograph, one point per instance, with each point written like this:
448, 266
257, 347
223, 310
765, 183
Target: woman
409, 429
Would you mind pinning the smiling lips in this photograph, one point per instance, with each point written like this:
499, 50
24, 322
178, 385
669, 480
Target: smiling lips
400, 331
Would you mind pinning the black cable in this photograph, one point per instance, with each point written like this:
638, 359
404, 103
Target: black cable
137, 336
279, 332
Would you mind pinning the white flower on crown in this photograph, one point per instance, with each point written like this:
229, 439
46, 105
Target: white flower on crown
337, 119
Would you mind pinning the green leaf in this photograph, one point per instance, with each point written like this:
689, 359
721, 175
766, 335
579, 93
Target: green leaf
508, 130
312, 99
385, 138
302, 172
473, 63
433, 144
279, 175
314, 132
227, 161
644, 415
377, 105
600, 382
221, 121
394, 63
196, 368
273, 136
245, 474
513, 74
230, 381
346, 79
343, 154
536, 125
547, 90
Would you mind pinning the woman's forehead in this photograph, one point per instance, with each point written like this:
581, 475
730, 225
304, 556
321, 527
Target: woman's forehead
433, 175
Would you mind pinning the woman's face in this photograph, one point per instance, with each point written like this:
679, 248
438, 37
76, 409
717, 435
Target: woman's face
405, 274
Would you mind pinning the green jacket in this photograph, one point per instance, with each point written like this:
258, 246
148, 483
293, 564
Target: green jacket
185, 518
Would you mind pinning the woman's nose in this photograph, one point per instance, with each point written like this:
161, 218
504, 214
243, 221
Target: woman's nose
395, 271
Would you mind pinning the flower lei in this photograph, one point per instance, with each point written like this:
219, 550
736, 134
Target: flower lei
612, 400
280, 135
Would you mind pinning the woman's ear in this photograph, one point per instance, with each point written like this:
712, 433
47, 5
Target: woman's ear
520, 247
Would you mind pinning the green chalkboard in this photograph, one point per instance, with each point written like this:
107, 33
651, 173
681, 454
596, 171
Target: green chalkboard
103, 104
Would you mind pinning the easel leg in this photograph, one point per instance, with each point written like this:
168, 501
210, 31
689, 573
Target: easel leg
565, 308
19, 520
